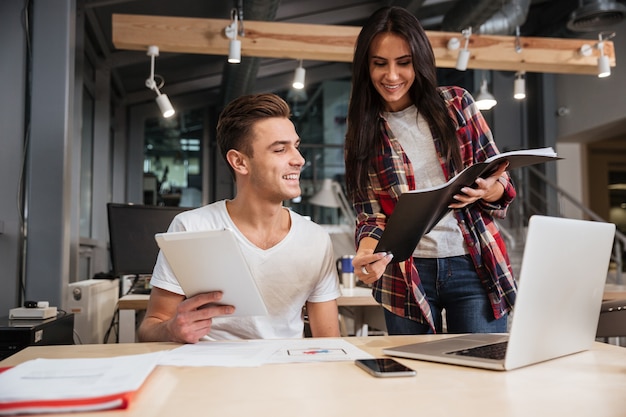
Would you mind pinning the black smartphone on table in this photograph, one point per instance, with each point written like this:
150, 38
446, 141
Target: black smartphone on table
384, 367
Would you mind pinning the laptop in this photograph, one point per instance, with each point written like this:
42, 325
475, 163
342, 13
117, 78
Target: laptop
564, 269
211, 260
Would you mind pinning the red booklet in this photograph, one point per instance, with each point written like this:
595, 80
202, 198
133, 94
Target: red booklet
107, 402
70, 385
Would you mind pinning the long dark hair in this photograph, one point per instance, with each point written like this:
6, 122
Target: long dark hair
363, 137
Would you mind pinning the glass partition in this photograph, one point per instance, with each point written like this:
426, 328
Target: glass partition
173, 160
320, 120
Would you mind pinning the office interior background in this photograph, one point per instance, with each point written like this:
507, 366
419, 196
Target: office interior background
80, 129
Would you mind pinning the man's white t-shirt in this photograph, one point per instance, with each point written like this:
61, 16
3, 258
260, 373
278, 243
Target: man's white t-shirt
298, 269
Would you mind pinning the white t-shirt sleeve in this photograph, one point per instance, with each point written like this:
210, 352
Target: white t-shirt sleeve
327, 287
162, 275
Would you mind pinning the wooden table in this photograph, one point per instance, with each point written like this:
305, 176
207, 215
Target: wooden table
357, 301
587, 384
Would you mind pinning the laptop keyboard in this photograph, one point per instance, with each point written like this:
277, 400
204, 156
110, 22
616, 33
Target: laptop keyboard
492, 351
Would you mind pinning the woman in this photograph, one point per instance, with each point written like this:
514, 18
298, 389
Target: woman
405, 133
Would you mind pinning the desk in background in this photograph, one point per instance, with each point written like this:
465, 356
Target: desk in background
614, 292
17, 334
586, 384
356, 303
129, 306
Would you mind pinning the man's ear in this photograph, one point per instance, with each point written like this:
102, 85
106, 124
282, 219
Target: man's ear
238, 161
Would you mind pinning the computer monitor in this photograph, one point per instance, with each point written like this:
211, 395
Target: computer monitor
131, 232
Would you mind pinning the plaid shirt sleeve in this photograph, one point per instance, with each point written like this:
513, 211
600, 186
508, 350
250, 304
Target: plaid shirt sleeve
389, 175
476, 143
485, 243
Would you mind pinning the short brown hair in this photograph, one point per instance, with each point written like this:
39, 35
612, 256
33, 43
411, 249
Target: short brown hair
234, 127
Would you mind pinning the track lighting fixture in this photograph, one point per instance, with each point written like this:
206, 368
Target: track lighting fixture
519, 86
299, 76
604, 65
453, 44
585, 50
464, 54
234, 51
162, 100
485, 100
231, 31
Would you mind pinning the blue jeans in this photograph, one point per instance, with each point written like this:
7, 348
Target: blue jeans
451, 284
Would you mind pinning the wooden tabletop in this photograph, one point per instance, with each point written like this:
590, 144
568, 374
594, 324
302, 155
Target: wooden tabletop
587, 384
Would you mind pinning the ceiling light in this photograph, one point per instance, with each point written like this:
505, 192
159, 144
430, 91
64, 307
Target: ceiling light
231, 31
585, 50
453, 44
519, 86
464, 54
165, 106
299, 77
162, 100
604, 65
485, 100
234, 51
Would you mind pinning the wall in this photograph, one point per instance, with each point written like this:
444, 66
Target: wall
42, 127
588, 109
594, 106
12, 111
507, 115
571, 173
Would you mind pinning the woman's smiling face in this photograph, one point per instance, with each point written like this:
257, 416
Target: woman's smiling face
391, 70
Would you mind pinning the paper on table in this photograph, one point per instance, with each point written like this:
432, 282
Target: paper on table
82, 384
212, 353
259, 352
317, 350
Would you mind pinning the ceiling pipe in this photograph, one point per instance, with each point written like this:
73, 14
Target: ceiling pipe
486, 16
468, 13
512, 14
413, 6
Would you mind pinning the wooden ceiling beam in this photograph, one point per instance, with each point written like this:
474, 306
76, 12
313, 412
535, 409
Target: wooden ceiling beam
336, 43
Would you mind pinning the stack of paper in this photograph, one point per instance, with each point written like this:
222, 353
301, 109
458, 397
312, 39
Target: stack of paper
70, 385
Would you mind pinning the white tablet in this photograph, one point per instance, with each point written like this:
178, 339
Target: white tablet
211, 260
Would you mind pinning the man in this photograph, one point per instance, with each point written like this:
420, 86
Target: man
291, 257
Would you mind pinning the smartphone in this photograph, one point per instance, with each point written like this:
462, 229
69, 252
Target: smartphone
384, 367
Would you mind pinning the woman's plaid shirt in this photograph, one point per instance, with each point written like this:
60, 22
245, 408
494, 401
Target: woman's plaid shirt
391, 174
